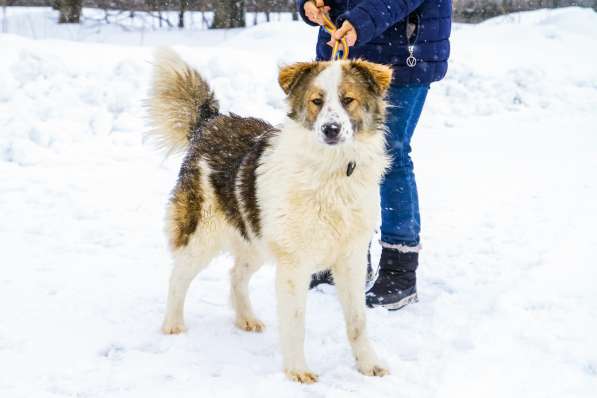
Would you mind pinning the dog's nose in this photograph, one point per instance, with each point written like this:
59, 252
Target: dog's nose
331, 130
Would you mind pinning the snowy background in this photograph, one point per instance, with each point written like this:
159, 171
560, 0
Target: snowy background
506, 159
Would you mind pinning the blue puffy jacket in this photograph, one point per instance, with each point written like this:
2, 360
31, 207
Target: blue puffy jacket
389, 31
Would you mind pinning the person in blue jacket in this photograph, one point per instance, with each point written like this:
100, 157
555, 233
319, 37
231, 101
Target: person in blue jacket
413, 37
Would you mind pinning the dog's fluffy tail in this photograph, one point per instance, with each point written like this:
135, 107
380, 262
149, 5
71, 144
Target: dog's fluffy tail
181, 102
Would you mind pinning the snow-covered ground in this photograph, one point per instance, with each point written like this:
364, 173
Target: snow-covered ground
506, 159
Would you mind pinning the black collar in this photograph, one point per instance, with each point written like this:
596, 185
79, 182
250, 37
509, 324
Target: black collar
350, 169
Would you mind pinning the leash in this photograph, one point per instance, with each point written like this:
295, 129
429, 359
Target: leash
331, 29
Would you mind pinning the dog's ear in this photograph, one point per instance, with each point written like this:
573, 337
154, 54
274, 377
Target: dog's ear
378, 76
291, 75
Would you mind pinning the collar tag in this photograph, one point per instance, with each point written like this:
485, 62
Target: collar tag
350, 169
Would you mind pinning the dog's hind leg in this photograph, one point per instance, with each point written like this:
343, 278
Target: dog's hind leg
246, 263
350, 275
188, 262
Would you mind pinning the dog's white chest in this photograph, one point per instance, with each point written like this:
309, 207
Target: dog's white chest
322, 218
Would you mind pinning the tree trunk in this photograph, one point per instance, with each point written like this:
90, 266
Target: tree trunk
183, 7
292, 7
70, 11
229, 14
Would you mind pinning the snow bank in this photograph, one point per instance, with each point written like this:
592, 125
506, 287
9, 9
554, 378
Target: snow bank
505, 158
523, 62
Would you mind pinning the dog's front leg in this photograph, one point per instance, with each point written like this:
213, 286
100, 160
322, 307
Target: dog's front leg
292, 283
350, 273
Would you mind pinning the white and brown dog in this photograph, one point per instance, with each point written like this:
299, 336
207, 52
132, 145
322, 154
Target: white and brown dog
305, 195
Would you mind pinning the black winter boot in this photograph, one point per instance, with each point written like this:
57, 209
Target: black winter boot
325, 276
396, 284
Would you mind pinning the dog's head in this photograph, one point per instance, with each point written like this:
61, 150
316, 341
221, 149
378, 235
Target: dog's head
339, 101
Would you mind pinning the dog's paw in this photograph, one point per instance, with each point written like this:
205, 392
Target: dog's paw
374, 370
250, 325
173, 328
302, 376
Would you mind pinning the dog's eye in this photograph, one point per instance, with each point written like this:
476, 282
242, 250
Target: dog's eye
347, 100
317, 101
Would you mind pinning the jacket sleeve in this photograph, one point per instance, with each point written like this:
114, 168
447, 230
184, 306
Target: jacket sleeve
300, 7
371, 18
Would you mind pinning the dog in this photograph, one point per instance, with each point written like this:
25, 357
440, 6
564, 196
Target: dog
304, 195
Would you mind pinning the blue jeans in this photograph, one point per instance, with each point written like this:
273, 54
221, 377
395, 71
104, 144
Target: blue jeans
400, 219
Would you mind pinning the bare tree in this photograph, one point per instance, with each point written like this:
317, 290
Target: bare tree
270, 6
229, 14
70, 10
183, 7
155, 7
294, 11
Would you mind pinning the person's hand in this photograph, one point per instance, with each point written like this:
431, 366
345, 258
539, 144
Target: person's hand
346, 30
314, 10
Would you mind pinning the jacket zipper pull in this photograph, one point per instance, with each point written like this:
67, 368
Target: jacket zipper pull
411, 61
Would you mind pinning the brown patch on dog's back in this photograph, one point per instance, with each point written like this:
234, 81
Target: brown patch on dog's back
224, 144
247, 183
